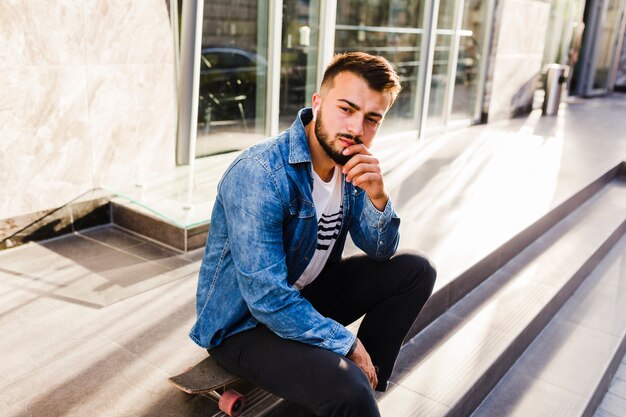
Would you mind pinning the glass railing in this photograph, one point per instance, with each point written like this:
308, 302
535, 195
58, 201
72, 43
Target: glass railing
183, 196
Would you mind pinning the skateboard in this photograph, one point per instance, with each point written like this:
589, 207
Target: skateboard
210, 379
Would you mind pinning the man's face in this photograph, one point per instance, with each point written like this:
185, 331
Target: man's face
348, 113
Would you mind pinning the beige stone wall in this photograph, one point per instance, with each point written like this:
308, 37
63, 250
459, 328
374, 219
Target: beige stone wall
87, 98
516, 56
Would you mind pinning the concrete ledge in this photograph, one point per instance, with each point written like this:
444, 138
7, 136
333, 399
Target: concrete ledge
138, 220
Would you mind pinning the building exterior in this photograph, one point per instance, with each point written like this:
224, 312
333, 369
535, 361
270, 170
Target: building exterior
96, 92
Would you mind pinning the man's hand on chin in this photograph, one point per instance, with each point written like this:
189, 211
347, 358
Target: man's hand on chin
363, 170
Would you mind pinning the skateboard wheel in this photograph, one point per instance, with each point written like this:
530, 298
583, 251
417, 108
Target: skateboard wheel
232, 403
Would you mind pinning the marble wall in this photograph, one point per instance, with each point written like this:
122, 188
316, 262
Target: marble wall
87, 98
516, 57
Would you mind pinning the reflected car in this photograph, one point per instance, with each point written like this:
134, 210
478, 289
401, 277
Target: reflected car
228, 84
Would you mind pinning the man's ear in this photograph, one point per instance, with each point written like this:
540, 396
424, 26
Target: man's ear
315, 104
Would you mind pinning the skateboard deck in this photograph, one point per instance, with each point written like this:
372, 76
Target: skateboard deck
208, 378
203, 378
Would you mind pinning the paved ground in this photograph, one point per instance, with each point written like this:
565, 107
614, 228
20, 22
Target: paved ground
93, 324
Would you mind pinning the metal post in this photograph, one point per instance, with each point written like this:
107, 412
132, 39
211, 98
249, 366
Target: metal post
431, 10
273, 67
176, 41
453, 61
326, 50
189, 80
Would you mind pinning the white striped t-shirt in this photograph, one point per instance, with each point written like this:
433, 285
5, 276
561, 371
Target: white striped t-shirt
327, 198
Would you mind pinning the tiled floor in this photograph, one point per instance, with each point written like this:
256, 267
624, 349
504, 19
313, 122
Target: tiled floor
93, 324
96, 267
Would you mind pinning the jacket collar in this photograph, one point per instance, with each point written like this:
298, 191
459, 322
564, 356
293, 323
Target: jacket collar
298, 144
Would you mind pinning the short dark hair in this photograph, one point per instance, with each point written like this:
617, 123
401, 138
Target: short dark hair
375, 70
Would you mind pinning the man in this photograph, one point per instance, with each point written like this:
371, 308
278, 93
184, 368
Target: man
274, 294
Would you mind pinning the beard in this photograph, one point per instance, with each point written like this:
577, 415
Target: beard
322, 138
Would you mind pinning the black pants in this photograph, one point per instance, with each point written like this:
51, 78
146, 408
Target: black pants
390, 294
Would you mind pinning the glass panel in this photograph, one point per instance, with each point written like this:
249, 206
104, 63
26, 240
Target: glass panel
469, 60
557, 33
439, 80
183, 197
233, 78
441, 61
605, 45
445, 14
393, 29
298, 64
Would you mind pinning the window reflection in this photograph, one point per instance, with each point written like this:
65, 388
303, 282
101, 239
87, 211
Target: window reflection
298, 57
233, 68
469, 60
605, 45
464, 82
439, 80
393, 29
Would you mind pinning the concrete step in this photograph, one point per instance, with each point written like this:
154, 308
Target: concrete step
452, 365
138, 219
568, 367
614, 402
455, 288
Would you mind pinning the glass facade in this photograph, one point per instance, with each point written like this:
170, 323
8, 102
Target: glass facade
456, 62
596, 70
241, 99
566, 19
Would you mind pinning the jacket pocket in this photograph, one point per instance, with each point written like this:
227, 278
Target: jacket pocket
301, 225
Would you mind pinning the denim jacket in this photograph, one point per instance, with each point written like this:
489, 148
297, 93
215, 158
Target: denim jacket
263, 234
